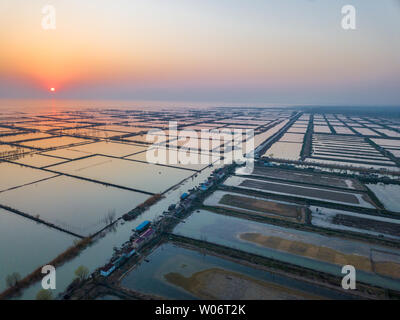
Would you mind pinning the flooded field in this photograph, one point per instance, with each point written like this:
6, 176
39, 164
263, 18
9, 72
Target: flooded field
388, 194
67, 175
14, 175
91, 132
310, 250
78, 206
24, 137
183, 159
55, 142
100, 251
106, 148
38, 160
125, 173
177, 273
26, 245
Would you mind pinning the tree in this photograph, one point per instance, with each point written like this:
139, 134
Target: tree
44, 295
12, 279
82, 273
109, 217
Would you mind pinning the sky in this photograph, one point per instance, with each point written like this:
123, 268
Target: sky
246, 51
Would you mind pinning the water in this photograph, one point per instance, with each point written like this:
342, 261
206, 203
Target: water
54, 105
168, 258
99, 253
197, 164
126, 173
78, 204
38, 160
107, 149
75, 205
26, 245
25, 136
388, 195
54, 142
226, 230
14, 175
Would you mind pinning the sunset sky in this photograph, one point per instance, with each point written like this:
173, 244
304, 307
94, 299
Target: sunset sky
269, 51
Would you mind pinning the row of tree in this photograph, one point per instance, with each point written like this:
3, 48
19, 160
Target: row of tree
12, 280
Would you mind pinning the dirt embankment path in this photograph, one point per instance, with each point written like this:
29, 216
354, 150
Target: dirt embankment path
223, 284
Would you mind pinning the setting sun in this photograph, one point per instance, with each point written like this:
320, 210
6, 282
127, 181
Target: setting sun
52, 89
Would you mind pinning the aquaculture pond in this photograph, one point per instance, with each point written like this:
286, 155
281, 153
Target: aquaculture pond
309, 250
75, 205
125, 173
26, 245
178, 273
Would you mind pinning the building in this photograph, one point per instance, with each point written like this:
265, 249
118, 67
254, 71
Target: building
143, 226
107, 270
